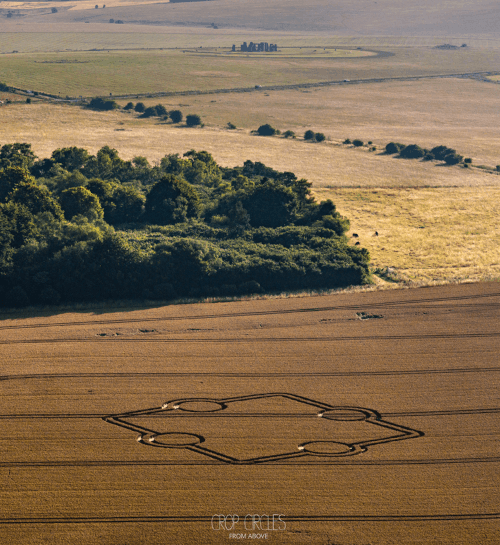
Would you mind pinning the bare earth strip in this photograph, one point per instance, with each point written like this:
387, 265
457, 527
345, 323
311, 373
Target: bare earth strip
413, 384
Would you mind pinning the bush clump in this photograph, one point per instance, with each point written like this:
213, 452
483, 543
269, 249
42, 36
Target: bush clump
289, 134
192, 120
393, 147
175, 116
101, 104
413, 151
266, 130
309, 135
357, 143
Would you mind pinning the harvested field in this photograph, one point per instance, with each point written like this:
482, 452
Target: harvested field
225, 399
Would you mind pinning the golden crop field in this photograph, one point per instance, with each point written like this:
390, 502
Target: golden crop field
344, 416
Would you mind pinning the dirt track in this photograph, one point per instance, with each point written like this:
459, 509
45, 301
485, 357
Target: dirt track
138, 427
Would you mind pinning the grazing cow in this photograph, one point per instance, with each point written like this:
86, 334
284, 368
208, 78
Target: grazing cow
355, 235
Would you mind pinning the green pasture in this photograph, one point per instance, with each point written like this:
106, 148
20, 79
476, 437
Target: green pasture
118, 72
91, 64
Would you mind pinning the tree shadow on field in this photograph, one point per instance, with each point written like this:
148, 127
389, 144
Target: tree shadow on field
91, 308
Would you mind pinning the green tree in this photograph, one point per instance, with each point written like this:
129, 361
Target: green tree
309, 135
17, 155
128, 205
266, 130
175, 116
192, 120
101, 104
270, 204
36, 200
71, 158
413, 151
79, 201
139, 107
11, 178
129, 106
21, 223
319, 137
149, 112
171, 200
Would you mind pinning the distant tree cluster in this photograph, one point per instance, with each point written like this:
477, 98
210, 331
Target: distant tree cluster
314, 136
83, 227
414, 151
102, 104
269, 130
159, 110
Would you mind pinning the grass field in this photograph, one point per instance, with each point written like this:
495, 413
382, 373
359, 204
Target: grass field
400, 454
428, 234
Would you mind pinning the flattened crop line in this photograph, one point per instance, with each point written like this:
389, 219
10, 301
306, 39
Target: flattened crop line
211, 462
266, 313
420, 414
251, 340
257, 375
289, 518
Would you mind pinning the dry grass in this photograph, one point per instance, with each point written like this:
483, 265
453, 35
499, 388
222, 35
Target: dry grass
426, 234
458, 113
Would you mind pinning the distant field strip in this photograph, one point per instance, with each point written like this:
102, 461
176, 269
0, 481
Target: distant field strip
87, 38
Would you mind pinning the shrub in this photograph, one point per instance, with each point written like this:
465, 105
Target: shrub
453, 159
413, 151
100, 104
497, 168
231, 126
54, 10
140, 108
319, 137
160, 110
440, 152
266, 130
149, 112
393, 147
192, 120
28, 100
288, 134
309, 135
129, 106
347, 141
357, 143
467, 160
370, 142
175, 116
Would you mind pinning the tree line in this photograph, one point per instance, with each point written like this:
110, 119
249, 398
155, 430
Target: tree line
83, 227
